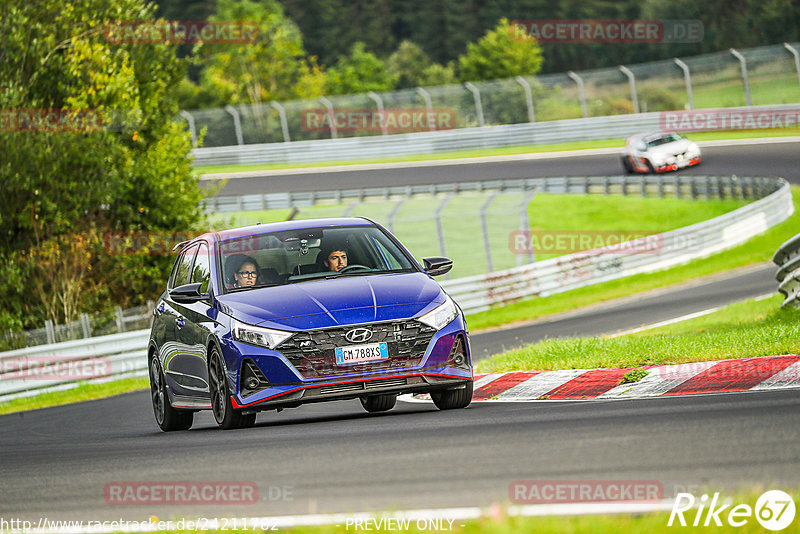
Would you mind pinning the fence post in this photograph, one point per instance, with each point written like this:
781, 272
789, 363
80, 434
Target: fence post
528, 97
87, 331
189, 119
687, 78
485, 228
581, 92
796, 55
426, 96
439, 228
379, 103
476, 95
393, 213
120, 321
525, 226
284, 123
329, 105
632, 82
49, 331
237, 123
743, 63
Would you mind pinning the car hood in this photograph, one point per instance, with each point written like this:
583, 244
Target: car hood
325, 303
672, 149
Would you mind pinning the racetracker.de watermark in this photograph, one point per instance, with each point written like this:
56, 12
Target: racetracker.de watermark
728, 119
50, 120
594, 241
180, 32
391, 120
53, 368
184, 492
614, 31
570, 491
152, 243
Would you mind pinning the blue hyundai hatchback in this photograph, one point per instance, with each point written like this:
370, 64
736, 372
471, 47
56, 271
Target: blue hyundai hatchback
277, 315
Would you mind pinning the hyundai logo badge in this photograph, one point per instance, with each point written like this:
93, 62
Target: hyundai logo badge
358, 335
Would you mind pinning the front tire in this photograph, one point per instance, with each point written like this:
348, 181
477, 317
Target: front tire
167, 417
224, 414
379, 403
451, 399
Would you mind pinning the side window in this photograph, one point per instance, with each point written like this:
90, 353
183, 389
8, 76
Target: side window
202, 268
180, 274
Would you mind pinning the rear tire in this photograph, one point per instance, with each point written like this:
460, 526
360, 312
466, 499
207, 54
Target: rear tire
626, 165
224, 414
650, 167
450, 399
167, 417
379, 403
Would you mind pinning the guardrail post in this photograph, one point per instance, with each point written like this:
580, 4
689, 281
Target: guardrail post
485, 228
528, 97
476, 96
379, 103
660, 186
644, 187
284, 123
581, 92
606, 185
120, 320
237, 123
426, 96
192, 129
677, 187
525, 226
796, 55
743, 63
632, 82
687, 78
329, 106
624, 184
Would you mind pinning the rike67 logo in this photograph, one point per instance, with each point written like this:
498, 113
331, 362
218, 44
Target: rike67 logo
774, 510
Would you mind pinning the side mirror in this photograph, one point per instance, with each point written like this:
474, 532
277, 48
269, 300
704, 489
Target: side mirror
187, 293
437, 265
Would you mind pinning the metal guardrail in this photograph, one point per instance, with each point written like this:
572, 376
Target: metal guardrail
31, 370
787, 257
43, 368
615, 126
581, 269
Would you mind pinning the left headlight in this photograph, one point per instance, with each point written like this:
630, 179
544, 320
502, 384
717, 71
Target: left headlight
257, 335
441, 315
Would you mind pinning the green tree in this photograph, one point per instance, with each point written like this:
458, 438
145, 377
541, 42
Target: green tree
67, 185
500, 54
274, 67
359, 72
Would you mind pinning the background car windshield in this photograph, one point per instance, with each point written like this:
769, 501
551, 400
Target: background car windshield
297, 255
663, 140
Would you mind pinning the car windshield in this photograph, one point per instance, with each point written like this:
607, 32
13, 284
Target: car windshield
669, 138
294, 256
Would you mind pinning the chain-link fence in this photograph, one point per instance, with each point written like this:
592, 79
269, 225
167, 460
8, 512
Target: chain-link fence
766, 75
113, 322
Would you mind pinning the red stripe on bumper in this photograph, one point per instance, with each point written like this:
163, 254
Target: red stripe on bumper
502, 384
589, 384
734, 375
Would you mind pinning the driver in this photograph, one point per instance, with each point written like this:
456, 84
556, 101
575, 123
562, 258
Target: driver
335, 260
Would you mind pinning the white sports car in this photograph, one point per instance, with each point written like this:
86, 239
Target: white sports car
659, 152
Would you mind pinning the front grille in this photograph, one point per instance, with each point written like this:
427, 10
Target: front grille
359, 386
312, 351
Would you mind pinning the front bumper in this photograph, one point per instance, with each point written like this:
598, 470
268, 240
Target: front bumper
287, 386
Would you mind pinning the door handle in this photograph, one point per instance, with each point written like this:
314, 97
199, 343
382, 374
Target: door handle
179, 322
161, 309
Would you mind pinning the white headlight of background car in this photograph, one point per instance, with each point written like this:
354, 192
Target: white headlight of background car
257, 335
441, 315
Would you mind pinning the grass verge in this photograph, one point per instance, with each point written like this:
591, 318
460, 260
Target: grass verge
83, 392
757, 250
503, 151
742, 330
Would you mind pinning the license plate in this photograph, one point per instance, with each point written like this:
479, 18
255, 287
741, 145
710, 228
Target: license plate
353, 354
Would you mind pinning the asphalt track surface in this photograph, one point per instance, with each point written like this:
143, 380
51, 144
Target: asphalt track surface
778, 159
56, 462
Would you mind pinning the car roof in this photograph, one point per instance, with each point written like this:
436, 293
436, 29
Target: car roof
268, 228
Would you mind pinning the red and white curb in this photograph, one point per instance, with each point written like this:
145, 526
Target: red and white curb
725, 376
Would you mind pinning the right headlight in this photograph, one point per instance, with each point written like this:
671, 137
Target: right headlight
441, 315
258, 335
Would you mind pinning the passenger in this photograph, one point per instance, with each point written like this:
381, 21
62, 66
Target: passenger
244, 270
